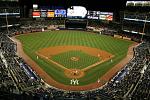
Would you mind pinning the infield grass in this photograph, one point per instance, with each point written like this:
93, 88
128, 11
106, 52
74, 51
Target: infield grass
35, 41
83, 61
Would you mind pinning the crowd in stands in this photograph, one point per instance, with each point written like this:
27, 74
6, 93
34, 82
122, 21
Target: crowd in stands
20, 82
125, 83
16, 75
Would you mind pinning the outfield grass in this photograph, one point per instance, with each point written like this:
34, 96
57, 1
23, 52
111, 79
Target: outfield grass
35, 41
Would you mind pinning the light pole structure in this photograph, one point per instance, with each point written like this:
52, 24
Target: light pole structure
144, 28
6, 21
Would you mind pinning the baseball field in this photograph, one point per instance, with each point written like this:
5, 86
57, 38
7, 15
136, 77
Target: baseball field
74, 58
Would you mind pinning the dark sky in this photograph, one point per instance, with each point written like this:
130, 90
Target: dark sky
109, 5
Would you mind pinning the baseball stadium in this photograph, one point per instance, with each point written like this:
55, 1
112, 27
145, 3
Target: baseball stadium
71, 50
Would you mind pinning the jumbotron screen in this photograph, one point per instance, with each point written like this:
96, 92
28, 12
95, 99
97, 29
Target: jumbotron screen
106, 16
43, 13
60, 13
50, 13
36, 14
93, 14
76, 12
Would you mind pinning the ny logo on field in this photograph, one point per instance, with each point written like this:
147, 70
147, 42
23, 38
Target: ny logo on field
74, 82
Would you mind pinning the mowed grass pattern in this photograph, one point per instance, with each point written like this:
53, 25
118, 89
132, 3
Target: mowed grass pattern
35, 41
84, 59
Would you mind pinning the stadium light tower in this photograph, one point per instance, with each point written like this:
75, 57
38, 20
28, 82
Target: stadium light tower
6, 21
144, 27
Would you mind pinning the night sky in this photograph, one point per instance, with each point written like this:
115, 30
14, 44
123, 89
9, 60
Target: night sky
106, 5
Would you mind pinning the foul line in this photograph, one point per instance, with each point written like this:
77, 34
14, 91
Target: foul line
59, 65
63, 67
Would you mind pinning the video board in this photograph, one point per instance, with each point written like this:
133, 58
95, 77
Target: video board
106, 16
50, 13
76, 12
60, 13
93, 14
36, 14
43, 13
73, 12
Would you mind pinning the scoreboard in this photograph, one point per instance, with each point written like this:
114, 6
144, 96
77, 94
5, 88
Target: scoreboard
43, 13
76, 12
60, 13
36, 14
93, 14
73, 12
108, 16
50, 13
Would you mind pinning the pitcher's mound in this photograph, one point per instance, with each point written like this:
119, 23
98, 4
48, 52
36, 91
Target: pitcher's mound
74, 73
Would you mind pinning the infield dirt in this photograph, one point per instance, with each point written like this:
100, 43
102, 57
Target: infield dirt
47, 53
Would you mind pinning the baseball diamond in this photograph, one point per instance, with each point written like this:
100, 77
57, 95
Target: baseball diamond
65, 55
